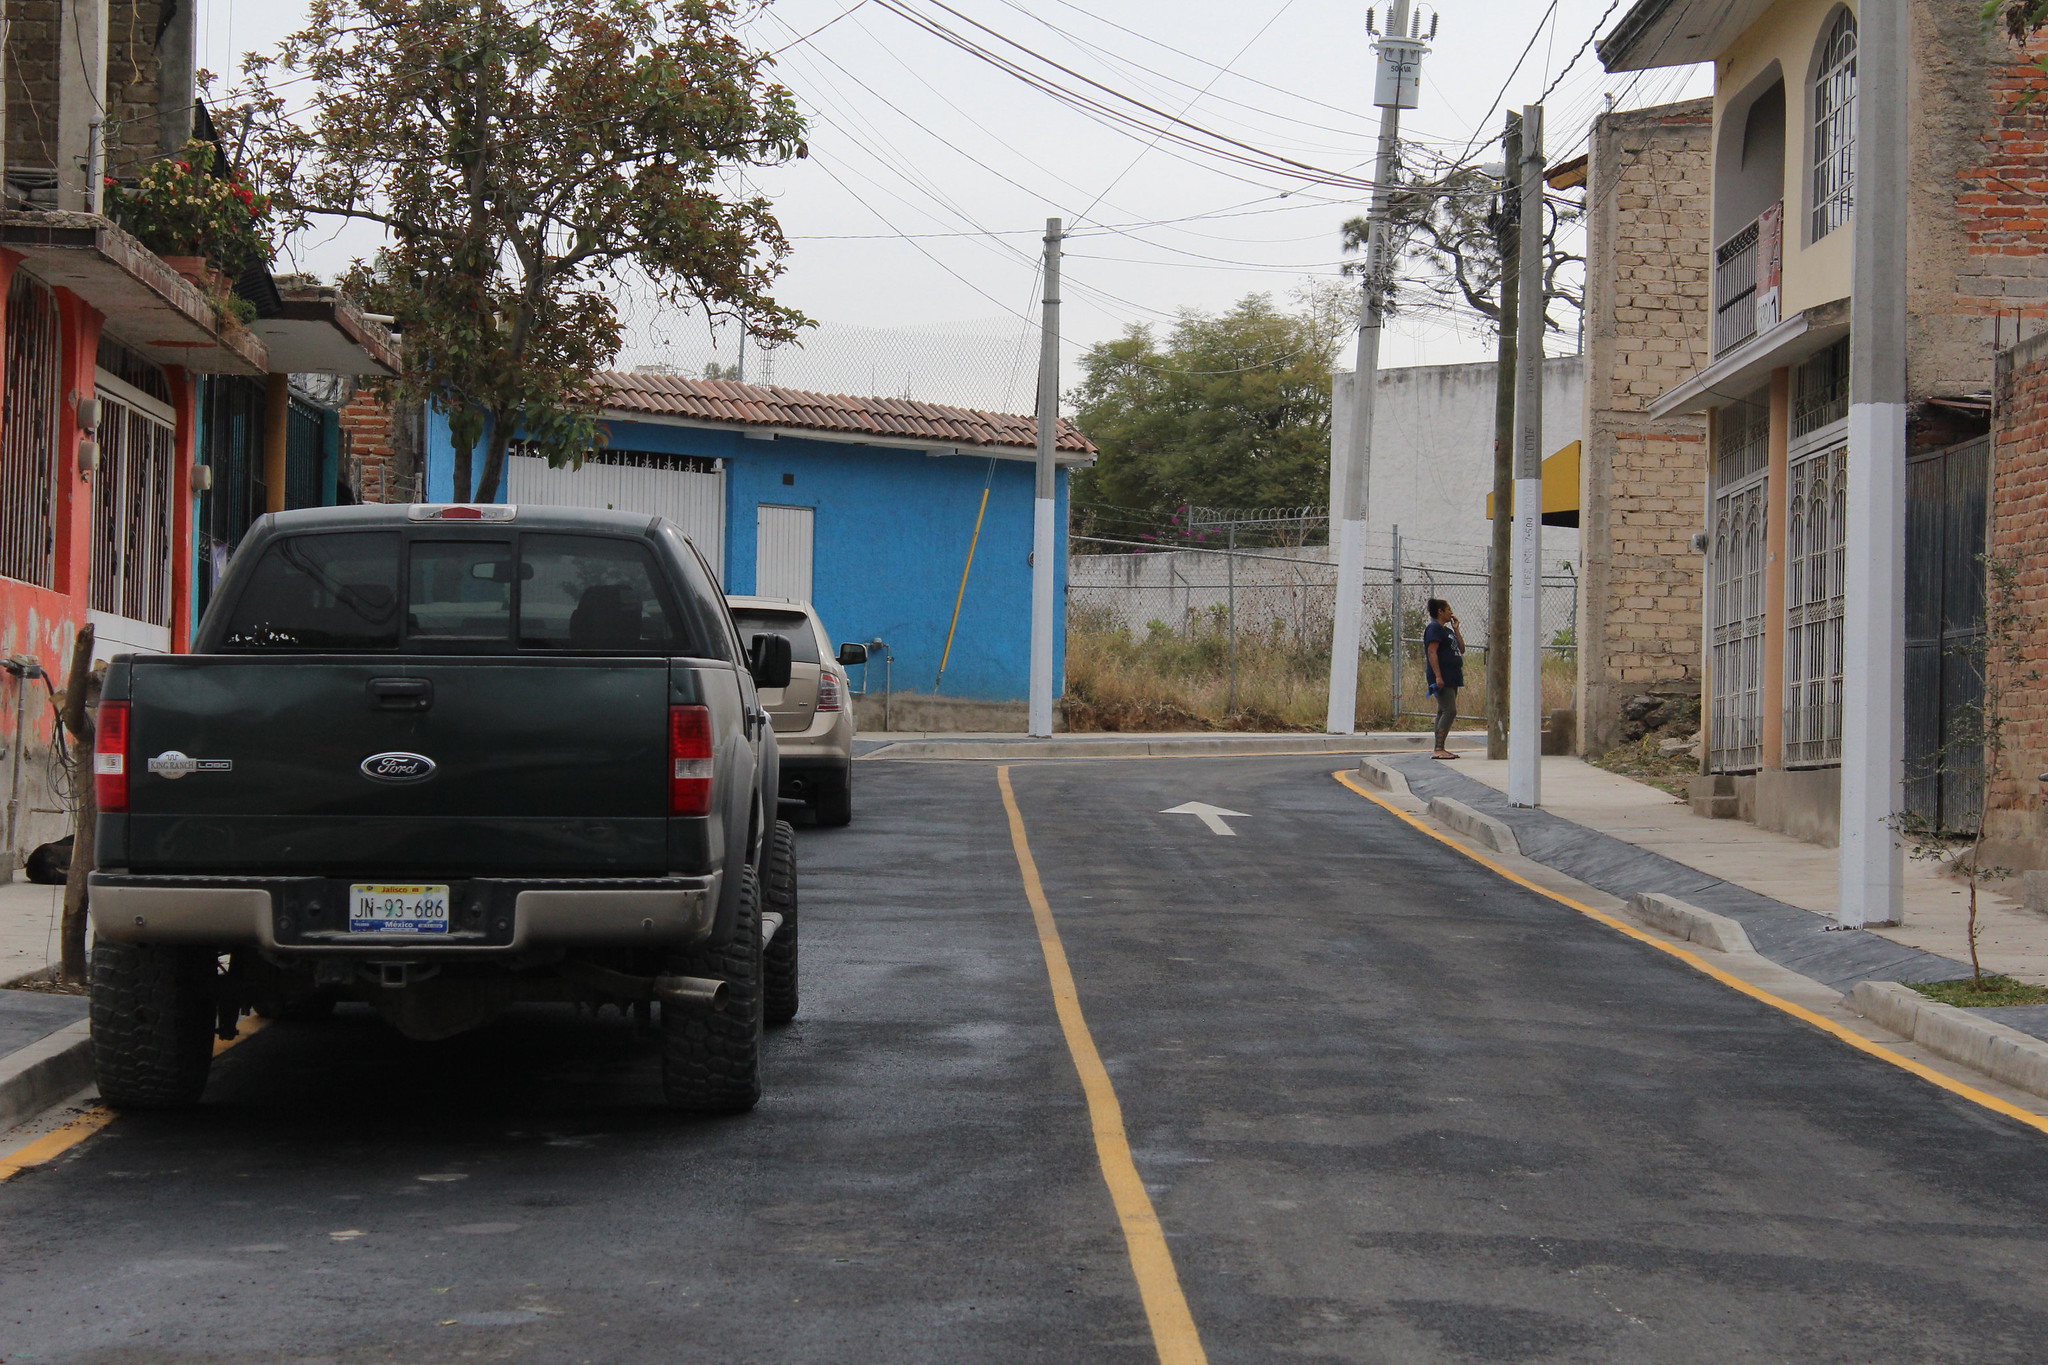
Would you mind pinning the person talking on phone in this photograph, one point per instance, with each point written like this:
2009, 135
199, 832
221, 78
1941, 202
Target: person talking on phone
1443, 646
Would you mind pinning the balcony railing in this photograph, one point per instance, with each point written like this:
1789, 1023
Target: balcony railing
1746, 268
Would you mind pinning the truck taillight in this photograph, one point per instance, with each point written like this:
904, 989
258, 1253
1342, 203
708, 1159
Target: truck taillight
828, 693
689, 756
110, 756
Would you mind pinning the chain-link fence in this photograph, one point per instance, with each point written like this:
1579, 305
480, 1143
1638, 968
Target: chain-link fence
1248, 614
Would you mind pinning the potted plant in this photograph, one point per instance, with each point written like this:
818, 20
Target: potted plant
202, 223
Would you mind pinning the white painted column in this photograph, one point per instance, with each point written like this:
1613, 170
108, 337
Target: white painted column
1873, 596
1525, 656
1046, 542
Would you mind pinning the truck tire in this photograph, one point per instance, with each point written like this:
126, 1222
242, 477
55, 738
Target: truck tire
835, 808
778, 895
152, 1023
711, 1058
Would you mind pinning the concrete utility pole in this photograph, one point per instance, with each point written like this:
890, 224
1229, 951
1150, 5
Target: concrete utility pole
1045, 543
1399, 80
1507, 240
1525, 686
1874, 593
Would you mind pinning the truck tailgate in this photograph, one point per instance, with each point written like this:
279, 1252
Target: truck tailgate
540, 767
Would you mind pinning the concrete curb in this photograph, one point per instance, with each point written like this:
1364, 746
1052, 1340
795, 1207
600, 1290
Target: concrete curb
2002, 1053
1691, 923
46, 1071
1376, 772
1484, 828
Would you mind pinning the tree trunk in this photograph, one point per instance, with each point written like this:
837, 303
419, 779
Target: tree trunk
463, 454
81, 695
1498, 625
494, 461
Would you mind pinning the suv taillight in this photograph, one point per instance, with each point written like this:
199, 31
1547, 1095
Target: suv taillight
828, 693
689, 756
110, 756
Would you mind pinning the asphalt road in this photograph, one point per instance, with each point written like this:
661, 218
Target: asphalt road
1388, 1108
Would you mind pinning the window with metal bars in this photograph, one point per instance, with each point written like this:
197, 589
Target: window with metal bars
1834, 127
1816, 495
132, 503
28, 436
1820, 390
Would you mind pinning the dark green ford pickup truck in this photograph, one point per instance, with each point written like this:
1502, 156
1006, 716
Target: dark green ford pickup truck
440, 759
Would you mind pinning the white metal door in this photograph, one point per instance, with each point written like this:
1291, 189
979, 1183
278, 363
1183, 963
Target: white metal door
688, 490
782, 552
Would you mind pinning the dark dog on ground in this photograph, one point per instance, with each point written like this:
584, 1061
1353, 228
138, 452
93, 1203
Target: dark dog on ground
50, 864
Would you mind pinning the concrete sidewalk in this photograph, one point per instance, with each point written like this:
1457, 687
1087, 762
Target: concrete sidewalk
2012, 940
1144, 744
29, 915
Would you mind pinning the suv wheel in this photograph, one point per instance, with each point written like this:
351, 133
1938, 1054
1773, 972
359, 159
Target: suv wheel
711, 1058
152, 1023
778, 896
835, 807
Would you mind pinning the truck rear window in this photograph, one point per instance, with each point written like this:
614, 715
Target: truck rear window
328, 592
341, 591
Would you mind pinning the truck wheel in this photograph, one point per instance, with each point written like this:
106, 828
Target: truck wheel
835, 808
152, 1023
778, 895
711, 1058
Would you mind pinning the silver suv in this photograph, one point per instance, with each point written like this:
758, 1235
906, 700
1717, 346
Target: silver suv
813, 716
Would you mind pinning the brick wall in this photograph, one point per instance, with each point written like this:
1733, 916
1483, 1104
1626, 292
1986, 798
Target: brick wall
32, 32
372, 460
1648, 225
2014, 816
1978, 224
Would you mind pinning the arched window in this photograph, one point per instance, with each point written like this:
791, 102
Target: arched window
1834, 127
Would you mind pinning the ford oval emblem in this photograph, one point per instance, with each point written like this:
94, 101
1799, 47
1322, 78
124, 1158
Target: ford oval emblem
398, 767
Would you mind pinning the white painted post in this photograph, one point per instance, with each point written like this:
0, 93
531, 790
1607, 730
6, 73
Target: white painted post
1874, 596
1400, 68
1525, 661
1045, 540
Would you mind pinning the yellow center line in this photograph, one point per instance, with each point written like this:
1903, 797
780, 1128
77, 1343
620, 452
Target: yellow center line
1726, 978
56, 1142
1174, 1334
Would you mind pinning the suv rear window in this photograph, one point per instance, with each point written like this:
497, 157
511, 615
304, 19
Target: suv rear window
340, 592
792, 626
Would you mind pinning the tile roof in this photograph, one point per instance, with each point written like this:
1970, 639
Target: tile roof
723, 400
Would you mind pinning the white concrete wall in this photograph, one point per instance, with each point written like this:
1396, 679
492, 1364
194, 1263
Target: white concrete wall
1432, 458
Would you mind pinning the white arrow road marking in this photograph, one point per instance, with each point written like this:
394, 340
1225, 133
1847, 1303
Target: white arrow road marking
1212, 816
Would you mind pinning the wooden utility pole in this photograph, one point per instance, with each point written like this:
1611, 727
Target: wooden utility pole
81, 695
1507, 227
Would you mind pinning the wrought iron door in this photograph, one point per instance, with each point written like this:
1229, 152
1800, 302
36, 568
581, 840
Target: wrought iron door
1946, 494
1736, 603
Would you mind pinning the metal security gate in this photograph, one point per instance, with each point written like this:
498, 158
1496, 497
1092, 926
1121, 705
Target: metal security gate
1946, 494
132, 507
782, 551
28, 436
1735, 594
687, 489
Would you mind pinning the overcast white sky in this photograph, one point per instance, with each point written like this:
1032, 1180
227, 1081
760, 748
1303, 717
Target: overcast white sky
919, 152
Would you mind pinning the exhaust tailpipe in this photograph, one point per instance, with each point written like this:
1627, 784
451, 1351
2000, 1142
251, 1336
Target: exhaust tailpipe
702, 992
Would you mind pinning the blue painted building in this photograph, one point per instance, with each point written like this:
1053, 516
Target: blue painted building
867, 507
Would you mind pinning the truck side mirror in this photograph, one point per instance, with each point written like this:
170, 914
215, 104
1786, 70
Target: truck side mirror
768, 659
849, 655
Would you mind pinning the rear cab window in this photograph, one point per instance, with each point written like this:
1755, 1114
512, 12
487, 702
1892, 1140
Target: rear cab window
390, 592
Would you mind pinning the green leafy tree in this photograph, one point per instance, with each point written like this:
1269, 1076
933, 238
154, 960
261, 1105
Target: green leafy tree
522, 156
1227, 410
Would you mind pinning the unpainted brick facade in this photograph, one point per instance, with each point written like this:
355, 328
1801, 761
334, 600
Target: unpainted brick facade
35, 53
1648, 198
2014, 814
